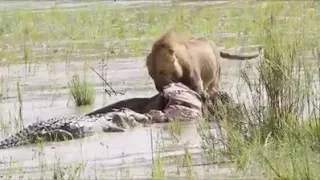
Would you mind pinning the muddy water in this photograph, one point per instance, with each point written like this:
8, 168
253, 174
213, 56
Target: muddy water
45, 90
45, 95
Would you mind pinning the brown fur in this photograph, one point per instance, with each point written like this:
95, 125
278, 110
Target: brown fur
196, 62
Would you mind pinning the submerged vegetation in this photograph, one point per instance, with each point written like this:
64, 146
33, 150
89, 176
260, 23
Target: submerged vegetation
81, 92
279, 135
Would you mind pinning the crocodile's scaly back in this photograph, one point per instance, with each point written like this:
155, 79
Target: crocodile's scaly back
54, 129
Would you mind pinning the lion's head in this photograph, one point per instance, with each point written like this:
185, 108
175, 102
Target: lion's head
163, 62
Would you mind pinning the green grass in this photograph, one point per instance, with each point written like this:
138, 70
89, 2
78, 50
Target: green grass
97, 32
82, 92
158, 171
101, 31
274, 139
175, 130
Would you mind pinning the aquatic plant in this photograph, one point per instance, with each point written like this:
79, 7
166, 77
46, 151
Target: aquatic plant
82, 92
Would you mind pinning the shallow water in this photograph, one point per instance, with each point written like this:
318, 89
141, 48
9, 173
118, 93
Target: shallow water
45, 95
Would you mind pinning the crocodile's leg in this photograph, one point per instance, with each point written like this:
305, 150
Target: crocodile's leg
126, 119
116, 125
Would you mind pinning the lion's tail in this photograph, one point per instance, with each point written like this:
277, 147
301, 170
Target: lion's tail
234, 56
238, 56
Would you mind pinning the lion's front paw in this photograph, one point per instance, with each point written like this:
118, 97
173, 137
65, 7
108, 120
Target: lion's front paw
204, 95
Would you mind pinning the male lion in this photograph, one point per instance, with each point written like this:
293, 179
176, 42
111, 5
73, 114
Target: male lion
195, 62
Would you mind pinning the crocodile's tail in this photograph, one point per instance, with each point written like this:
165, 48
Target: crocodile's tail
54, 129
139, 105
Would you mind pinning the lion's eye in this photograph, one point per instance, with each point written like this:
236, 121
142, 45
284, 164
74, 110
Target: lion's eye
162, 72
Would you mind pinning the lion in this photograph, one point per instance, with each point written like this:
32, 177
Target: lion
195, 62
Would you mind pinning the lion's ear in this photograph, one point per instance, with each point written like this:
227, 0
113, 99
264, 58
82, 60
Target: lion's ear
173, 57
148, 60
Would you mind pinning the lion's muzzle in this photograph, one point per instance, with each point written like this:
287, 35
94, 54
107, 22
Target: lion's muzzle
160, 85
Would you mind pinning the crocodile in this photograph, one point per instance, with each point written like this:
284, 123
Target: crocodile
176, 100
75, 127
